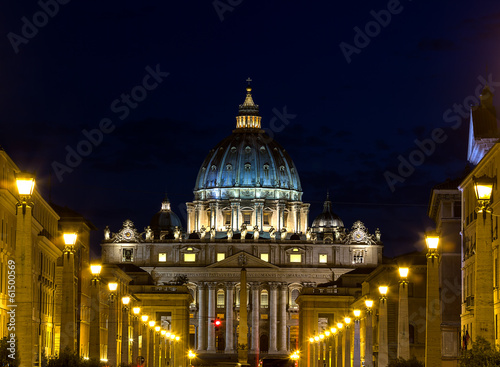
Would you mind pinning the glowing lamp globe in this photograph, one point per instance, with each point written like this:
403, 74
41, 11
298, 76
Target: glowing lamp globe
403, 272
357, 313
383, 290
69, 238
369, 303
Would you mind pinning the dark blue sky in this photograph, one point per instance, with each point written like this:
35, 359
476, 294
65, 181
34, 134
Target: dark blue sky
353, 121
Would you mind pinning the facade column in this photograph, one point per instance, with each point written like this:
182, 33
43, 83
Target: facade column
235, 215
202, 317
255, 287
229, 317
304, 214
213, 215
383, 348
333, 348
259, 210
282, 345
273, 316
368, 339
483, 285
197, 217
433, 312
211, 317
190, 217
281, 217
403, 323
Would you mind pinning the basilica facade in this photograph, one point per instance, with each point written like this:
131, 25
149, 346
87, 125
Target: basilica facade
247, 212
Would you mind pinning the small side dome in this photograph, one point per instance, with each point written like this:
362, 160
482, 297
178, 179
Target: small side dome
327, 221
164, 222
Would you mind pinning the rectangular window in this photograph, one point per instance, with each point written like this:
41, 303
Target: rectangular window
189, 258
221, 256
295, 258
227, 218
246, 218
162, 257
323, 259
264, 256
128, 255
263, 316
267, 217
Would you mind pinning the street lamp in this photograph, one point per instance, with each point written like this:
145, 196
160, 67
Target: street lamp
68, 316
403, 323
483, 188
24, 264
125, 332
113, 286
433, 307
347, 341
95, 313
383, 347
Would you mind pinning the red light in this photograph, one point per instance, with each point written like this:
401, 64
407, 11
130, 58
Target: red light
217, 323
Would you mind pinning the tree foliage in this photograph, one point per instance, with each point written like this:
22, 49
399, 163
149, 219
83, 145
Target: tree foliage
482, 354
412, 362
5, 360
68, 359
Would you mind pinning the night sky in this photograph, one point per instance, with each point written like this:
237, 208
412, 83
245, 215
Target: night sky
346, 87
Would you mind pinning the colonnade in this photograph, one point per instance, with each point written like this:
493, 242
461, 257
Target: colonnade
207, 313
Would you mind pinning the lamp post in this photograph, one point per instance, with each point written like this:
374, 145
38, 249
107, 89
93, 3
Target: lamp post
356, 348
192, 355
403, 323
333, 332
368, 334
113, 325
483, 285
125, 334
144, 336
347, 349
151, 343
135, 333
157, 345
383, 347
95, 313
340, 328
433, 307
68, 316
25, 183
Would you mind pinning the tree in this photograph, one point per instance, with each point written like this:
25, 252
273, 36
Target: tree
412, 362
68, 359
6, 354
481, 355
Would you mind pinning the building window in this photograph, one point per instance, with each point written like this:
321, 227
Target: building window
323, 258
357, 257
162, 257
264, 299
267, 218
221, 256
128, 255
264, 256
189, 258
220, 298
227, 218
246, 218
295, 258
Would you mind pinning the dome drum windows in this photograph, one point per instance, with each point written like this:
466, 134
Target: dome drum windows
248, 166
229, 167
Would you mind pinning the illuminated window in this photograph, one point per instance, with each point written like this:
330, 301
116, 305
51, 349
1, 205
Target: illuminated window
162, 257
263, 316
221, 256
264, 299
264, 256
128, 254
323, 259
220, 298
295, 258
227, 218
189, 258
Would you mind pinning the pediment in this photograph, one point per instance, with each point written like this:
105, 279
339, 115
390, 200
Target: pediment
243, 259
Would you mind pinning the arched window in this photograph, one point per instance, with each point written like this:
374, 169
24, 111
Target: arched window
264, 299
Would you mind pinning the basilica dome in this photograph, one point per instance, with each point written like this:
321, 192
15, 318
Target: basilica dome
248, 163
165, 221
